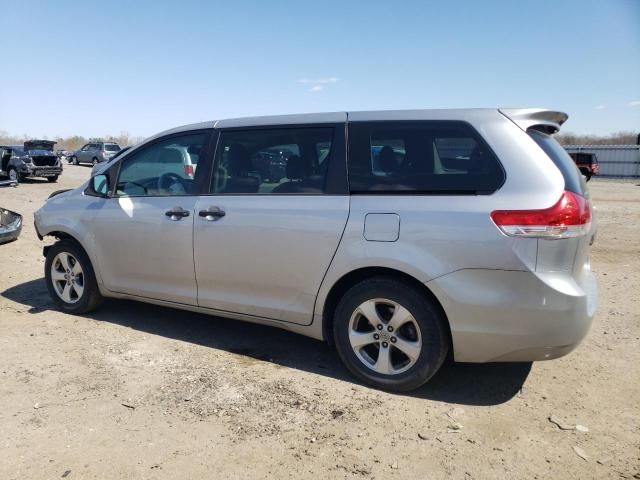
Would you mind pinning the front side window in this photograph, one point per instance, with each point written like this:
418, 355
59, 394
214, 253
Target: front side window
164, 168
272, 161
85, 148
421, 157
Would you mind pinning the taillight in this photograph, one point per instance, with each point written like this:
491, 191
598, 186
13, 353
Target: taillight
188, 170
569, 217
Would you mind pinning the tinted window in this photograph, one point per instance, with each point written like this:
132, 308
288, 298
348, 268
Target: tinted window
574, 182
111, 147
164, 168
420, 157
278, 161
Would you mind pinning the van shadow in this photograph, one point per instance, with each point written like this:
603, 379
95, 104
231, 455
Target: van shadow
458, 383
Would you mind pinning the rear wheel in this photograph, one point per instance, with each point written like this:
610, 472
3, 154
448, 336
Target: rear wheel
94, 162
390, 334
70, 278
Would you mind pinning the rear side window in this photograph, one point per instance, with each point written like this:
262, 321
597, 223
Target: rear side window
573, 180
421, 157
111, 147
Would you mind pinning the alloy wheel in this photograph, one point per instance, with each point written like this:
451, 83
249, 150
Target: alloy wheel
13, 175
67, 277
385, 336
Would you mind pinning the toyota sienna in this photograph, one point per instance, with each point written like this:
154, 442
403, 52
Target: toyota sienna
397, 236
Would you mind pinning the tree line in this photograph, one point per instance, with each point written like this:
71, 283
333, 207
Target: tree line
74, 142
618, 138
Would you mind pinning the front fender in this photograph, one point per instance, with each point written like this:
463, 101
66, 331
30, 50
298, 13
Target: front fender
70, 214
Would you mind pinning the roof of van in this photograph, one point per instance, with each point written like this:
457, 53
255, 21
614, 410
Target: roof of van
551, 120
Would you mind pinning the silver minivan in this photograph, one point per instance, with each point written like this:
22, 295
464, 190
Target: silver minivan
399, 237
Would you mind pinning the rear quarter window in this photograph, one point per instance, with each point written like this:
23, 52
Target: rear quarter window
430, 157
573, 179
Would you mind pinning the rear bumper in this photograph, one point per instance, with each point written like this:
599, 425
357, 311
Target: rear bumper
509, 316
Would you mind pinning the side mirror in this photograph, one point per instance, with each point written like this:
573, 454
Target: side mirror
98, 186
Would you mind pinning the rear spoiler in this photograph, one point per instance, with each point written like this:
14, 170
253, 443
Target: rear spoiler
547, 121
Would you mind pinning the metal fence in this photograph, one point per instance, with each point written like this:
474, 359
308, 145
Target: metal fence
615, 161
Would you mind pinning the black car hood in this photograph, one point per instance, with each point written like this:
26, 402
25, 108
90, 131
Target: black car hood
40, 146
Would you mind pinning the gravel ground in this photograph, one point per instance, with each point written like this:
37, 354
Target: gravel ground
138, 391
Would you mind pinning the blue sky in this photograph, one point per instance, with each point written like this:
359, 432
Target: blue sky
96, 68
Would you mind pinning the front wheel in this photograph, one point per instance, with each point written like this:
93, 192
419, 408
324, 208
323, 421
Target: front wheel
74, 160
390, 334
15, 175
70, 278
52, 179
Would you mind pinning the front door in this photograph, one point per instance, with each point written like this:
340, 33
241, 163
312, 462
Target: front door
82, 155
144, 234
263, 244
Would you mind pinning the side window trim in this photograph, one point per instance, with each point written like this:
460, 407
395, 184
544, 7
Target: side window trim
205, 162
336, 182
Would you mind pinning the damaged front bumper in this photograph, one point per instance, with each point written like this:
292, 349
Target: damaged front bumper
41, 171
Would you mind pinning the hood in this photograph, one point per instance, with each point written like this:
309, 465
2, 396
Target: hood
45, 145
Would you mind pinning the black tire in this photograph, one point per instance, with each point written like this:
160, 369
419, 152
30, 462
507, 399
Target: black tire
19, 177
91, 297
433, 331
94, 162
74, 160
52, 179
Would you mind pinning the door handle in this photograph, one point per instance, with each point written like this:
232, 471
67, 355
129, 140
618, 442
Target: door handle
212, 213
177, 213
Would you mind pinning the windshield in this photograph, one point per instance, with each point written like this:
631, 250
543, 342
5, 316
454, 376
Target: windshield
18, 150
111, 147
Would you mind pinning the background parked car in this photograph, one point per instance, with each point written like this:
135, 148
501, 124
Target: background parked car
95, 152
35, 158
64, 155
587, 163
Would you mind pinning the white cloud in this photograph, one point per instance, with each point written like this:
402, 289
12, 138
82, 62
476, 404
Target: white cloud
317, 81
318, 84
601, 107
635, 103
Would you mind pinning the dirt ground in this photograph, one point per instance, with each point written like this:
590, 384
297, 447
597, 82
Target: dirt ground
138, 391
